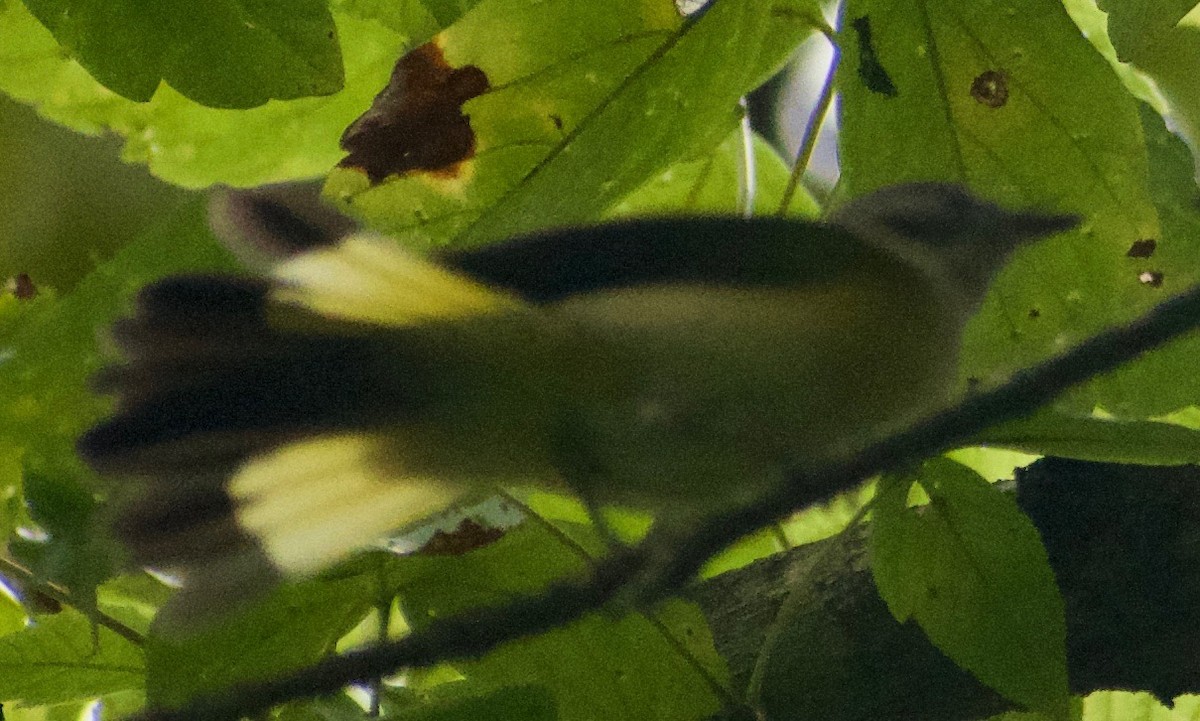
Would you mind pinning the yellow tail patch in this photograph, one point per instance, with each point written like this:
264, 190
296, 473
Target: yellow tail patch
313, 502
370, 279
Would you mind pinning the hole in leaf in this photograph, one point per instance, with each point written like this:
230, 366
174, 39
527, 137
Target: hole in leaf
1143, 248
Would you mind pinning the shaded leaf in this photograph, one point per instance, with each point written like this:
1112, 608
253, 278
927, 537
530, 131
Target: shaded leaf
620, 662
74, 554
515, 702
45, 401
970, 568
233, 54
294, 626
1051, 433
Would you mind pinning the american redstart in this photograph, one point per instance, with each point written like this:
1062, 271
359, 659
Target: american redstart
273, 425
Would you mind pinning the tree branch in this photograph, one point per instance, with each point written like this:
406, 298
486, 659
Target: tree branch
662, 563
1124, 544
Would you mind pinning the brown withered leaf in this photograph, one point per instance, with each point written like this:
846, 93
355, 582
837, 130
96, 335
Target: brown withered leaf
468, 535
416, 122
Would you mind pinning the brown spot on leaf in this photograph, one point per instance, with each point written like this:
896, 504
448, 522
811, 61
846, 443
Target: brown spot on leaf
22, 287
1034, 314
1143, 248
990, 88
416, 122
467, 536
1152, 278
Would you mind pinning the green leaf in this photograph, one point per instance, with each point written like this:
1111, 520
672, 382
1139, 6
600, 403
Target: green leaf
66, 203
45, 401
1156, 38
75, 553
625, 663
296, 625
188, 144
972, 571
417, 19
1051, 433
1093, 23
1124, 705
572, 82
232, 54
13, 511
1014, 102
12, 615
1164, 380
517, 702
133, 599
710, 185
55, 661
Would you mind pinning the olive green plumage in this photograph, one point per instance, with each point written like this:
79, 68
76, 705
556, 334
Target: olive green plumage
676, 365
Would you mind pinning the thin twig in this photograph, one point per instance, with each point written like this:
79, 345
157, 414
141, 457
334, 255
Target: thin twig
812, 129
748, 170
63, 596
477, 632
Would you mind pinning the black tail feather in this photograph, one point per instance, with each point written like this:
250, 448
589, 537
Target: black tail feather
208, 379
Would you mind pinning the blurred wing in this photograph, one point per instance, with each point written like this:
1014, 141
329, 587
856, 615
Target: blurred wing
724, 251
260, 418
371, 280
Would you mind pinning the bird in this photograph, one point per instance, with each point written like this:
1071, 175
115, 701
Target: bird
267, 427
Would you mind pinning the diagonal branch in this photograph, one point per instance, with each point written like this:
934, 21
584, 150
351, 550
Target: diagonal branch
661, 563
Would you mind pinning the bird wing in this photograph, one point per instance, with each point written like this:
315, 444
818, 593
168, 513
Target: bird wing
551, 266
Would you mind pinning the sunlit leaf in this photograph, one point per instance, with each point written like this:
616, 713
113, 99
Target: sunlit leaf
186, 143
547, 107
234, 54
56, 661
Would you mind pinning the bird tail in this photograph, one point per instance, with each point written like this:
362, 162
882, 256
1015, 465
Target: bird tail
259, 418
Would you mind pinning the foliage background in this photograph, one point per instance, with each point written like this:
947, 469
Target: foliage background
596, 110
